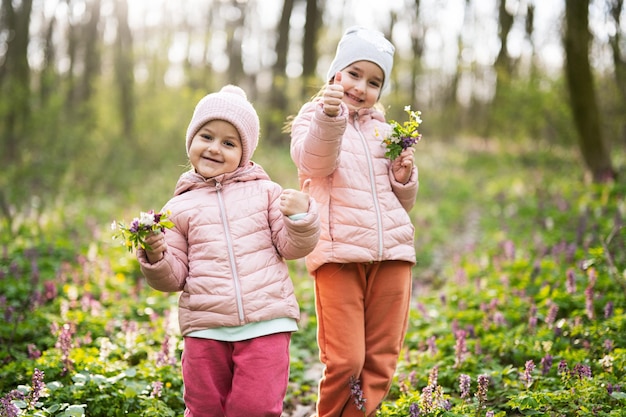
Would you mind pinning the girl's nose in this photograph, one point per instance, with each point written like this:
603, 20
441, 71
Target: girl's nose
211, 147
360, 86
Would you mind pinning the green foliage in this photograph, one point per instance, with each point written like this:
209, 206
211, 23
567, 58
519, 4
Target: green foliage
518, 259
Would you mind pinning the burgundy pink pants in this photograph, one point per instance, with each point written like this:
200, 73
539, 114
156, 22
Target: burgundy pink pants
362, 312
236, 379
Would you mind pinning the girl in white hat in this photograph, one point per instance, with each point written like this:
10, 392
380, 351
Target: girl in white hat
362, 264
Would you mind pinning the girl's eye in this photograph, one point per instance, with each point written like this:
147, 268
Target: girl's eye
229, 144
206, 136
375, 84
353, 74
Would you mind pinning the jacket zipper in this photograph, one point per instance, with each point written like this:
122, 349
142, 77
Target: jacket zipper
373, 185
231, 253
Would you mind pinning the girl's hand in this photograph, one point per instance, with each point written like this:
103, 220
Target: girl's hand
157, 244
403, 165
294, 201
332, 97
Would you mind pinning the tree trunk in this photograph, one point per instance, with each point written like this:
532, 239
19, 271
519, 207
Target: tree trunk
309, 47
619, 56
417, 46
15, 78
278, 96
234, 30
91, 54
583, 102
124, 64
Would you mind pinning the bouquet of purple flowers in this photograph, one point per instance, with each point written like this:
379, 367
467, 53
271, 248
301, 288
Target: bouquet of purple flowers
403, 135
134, 236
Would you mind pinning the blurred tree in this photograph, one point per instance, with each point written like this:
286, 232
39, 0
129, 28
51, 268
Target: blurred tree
309, 47
582, 97
279, 76
417, 47
84, 57
124, 68
235, 28
503, 65
529, 28
14, 77
617, 47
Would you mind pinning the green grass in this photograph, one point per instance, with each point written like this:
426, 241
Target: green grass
502, 232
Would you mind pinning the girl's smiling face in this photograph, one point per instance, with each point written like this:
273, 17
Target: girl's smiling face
215, 149
361, 82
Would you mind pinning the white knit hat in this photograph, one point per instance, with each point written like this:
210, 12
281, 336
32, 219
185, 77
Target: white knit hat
361, 44
229, 104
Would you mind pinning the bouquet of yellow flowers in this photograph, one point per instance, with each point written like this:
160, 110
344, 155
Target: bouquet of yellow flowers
403, 135
134, 236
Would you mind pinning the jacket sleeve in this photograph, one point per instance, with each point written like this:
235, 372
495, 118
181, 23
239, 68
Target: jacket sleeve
294, 239
171, 272
406, 193
316, 140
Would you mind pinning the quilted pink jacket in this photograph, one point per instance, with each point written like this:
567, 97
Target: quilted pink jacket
226, 252
363, 209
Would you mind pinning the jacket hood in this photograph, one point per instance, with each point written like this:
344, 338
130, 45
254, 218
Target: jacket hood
191, 180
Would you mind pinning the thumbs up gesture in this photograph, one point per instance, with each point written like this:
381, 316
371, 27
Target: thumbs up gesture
333, 94
294, 201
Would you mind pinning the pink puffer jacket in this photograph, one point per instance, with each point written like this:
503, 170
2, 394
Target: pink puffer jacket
226, 252
363, 209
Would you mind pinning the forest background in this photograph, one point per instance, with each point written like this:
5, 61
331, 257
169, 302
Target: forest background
96, 94
522, 176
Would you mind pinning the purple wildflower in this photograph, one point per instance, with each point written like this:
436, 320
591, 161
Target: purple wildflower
460, 347
157, 388
582, 371
498, 319
33, 352
489, 414
414, 410
464, 385
7, 407
563, 367
612, 388
357, 394
37, 386
608, 345
483, 385
509, 250
426, 399
570, 283
528, 370
546, 364
552, 312
432, 345
433, 376
65, 344
532, 319
608, 310
589, 302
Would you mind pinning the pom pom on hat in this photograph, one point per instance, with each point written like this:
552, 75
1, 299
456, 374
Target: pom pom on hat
229, 104
361, 44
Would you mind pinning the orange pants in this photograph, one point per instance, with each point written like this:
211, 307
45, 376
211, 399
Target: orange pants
362, 315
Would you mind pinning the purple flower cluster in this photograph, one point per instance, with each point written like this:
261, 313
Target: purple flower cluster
483, 385
460, 348
464, 385
357, 394
528, 370
7, 407
37, 386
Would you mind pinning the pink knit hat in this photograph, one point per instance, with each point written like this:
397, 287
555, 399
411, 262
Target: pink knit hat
230, 104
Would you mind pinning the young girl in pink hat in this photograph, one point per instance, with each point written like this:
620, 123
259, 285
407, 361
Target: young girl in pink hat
362, 264
226, 254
